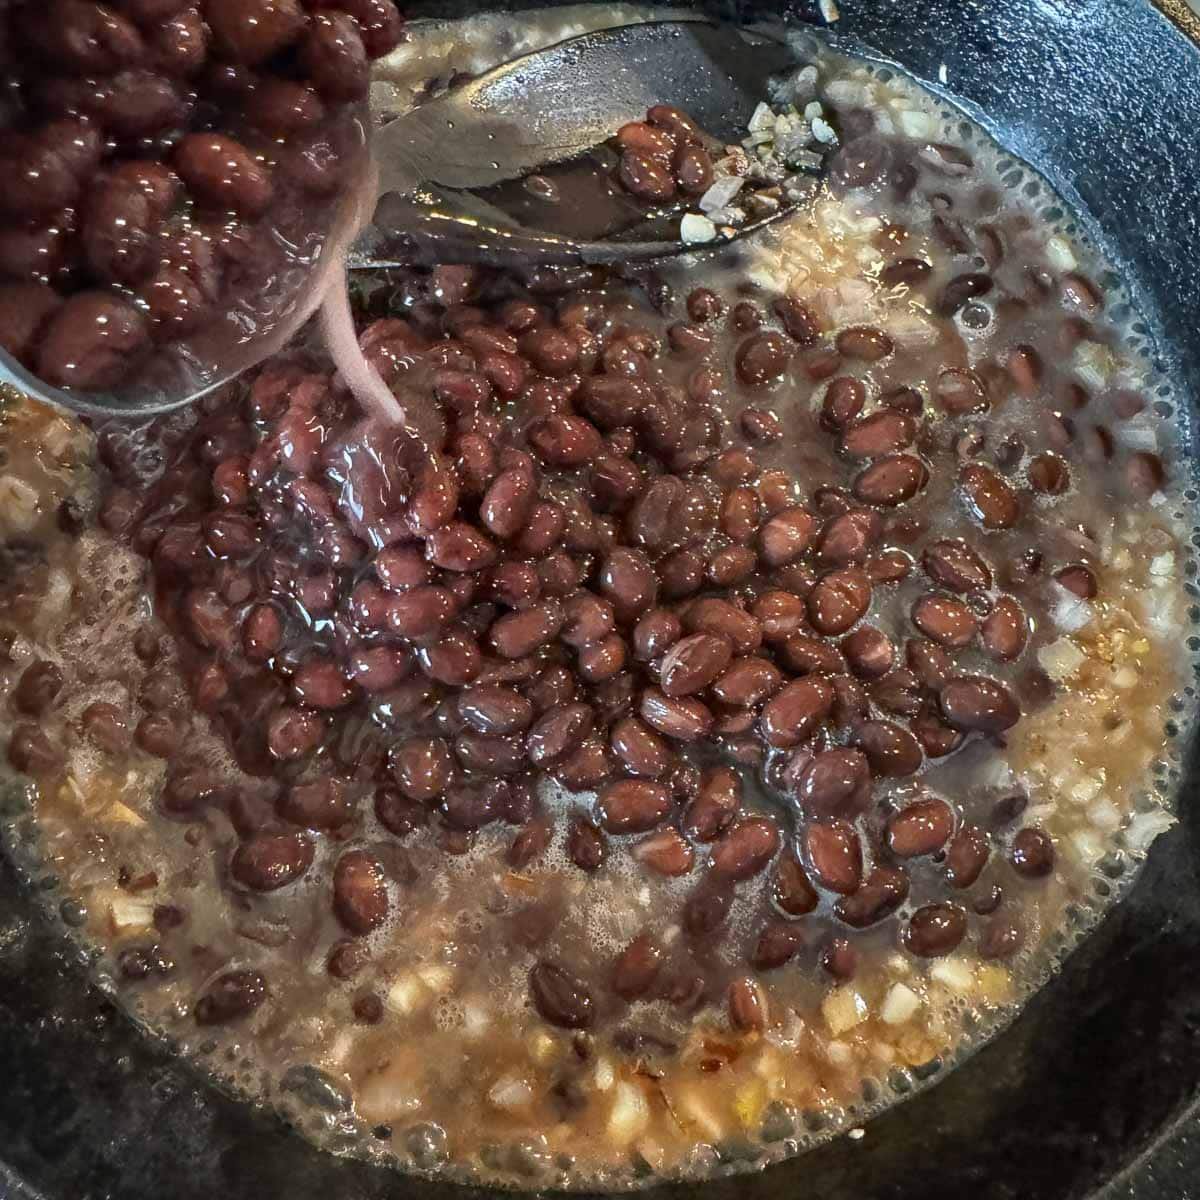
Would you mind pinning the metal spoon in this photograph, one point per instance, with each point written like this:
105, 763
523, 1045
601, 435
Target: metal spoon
442, 168
444, 164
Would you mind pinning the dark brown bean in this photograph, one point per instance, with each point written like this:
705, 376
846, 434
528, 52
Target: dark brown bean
1049, 475
747, 1005
748, 682
786, 536
675, 122
834, 855
953, 565
1032, 853
156, 734
890, 565
319, 684
558, 734
633, 806
935, 930
585, 845
1078, 580
836, 783
266, 862
38, 688
646, 139
683, 718
454, 659
745, 848
780, 614
106, 726
891, 480
646, 177
944, 620
966, 856
805, 655
682, 573
492, 709
978, 704
693, 663
937, 739
795, 712
398, 814
723, 619
222, 174
790, 888
91, 341
335, 58
665, 852
117, 235
251, 31
458, 546
360, 898
518, 634
564, 440
1005, 630
905, 272
959, 391
890, 749
760, 426
323, 803
490, 755
798, 320
422, 768
637, 967
740, 515
291, 732
989, 498
761, 358
868, 652
899, 692
529, 844
922, 827
839, 959
864, 342
25, 309
843, 401
561, 999
230, 997
882, 892
715, 804
838, 600
629, 582
704, 305
960, 289
508, 502
929, 662
589, 619
883, 432
641, 750
655, 633
778, 943
849, 537
693, 169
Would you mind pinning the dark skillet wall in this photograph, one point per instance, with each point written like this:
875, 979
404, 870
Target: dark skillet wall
1105, 97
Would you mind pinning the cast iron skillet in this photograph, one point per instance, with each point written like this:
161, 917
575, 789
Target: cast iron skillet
1093, 1091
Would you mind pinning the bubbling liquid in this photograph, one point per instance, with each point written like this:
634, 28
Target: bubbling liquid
469, 996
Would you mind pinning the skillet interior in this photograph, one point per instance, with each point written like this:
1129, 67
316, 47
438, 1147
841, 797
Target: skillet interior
1093, 1089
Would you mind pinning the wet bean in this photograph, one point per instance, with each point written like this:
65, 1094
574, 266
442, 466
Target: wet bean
834, 855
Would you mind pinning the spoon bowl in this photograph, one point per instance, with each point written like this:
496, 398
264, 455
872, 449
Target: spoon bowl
444, 165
